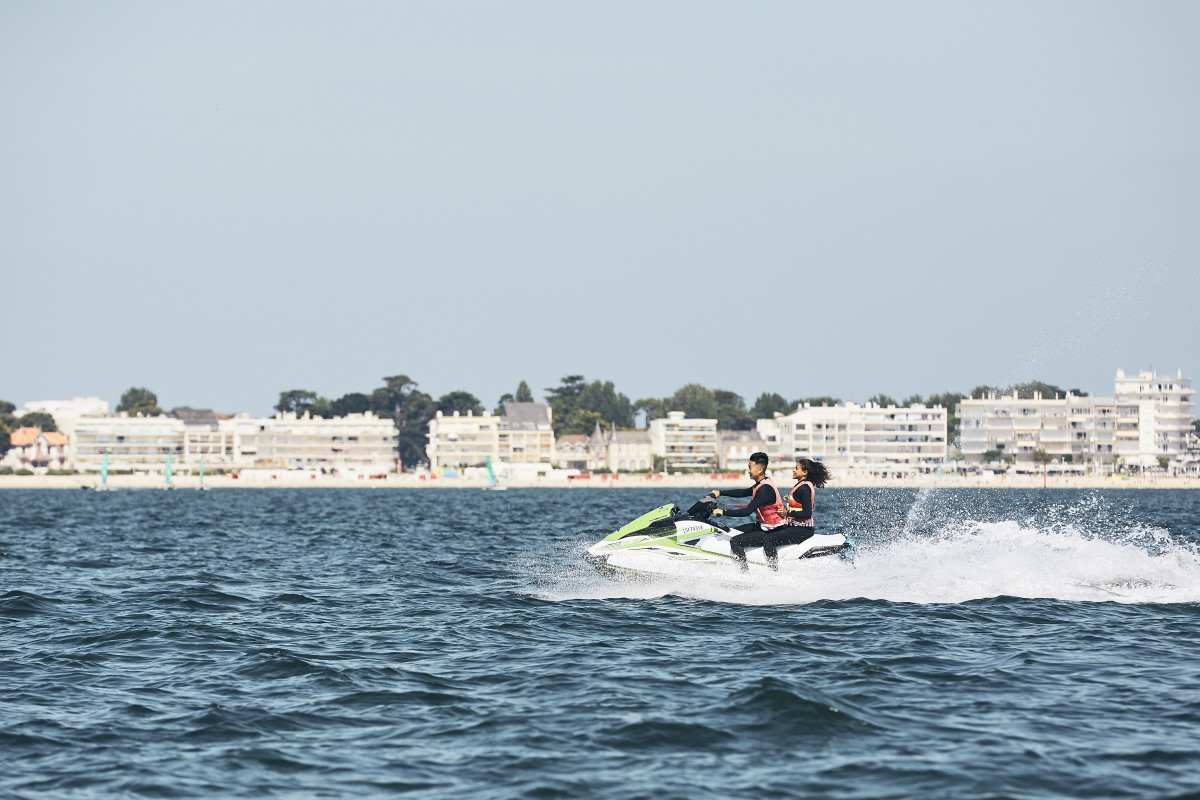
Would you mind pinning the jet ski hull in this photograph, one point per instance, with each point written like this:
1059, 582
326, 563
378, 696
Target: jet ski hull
666, 543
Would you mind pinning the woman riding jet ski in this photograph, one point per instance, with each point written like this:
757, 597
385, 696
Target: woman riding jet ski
667, 541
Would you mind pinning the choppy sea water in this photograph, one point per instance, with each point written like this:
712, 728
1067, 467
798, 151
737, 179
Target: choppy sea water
441, 643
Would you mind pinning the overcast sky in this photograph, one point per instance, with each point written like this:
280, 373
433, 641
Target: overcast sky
220, 201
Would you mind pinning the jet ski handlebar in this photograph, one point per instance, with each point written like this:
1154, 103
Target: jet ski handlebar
702, 510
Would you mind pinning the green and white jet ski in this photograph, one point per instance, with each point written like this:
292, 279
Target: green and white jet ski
671, 542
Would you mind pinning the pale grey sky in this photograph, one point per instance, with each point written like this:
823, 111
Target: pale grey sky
223, 200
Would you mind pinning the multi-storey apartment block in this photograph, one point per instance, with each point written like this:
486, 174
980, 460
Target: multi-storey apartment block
286, 441
863, 437
1147, 418
685, 443
523, 434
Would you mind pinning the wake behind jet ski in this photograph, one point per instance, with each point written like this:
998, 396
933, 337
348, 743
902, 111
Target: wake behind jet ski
671, 542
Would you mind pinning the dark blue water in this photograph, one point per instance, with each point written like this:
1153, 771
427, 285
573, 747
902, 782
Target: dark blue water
441, 643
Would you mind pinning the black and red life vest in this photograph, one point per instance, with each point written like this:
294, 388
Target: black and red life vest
812, 492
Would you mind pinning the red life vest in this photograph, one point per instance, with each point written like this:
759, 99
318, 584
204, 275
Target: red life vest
769, 516
807, 523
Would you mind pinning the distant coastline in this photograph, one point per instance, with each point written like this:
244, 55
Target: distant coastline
301, 480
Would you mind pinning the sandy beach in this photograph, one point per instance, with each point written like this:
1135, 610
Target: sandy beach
302, 480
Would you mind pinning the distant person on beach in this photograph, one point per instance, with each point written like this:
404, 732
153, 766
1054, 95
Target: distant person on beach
765, 504
790, 522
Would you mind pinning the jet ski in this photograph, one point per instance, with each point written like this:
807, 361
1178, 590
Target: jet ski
670, 542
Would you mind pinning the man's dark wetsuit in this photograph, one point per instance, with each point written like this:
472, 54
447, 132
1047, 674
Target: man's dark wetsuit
751, 534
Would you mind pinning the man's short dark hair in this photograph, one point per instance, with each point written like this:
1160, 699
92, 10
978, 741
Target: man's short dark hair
760, 458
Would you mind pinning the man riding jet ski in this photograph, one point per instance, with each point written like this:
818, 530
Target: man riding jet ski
668, 541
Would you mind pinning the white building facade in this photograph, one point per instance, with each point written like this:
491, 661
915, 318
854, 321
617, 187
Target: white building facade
523, 434
359, 442
66, 412
860, 437
1148, 418
630, 451
685, 443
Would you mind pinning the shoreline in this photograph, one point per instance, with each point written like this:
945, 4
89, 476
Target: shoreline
284, 480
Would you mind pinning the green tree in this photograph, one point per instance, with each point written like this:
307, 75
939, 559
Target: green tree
576, 394
581, 422
694, 401
564, 399
321, 407
1196, 426
523, 394
1163, 462
296, 400
731, 411
1042, 457
5, 438
913, 400
37, 419
411, 410
652, 407
352, 403
602, 398
770, 403
138, 400
883, 400
991, 455
459, 401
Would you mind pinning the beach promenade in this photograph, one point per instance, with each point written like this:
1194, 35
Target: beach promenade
302, 480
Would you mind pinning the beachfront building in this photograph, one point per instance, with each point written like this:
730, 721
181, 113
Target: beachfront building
66, 412
615, 451
629, 451
1164, 414
868, 437
37, 451
685, 443
737, 447
526, 434
571, 451
136, 443
361, 442
356, 442
1146, 419
522, 434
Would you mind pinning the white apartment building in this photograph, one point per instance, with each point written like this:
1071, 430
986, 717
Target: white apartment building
526, 434
522, 434
685, 443
357, 441
1147, 417
860, 437
1164, 413
360, 442
137, 443
66, 412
